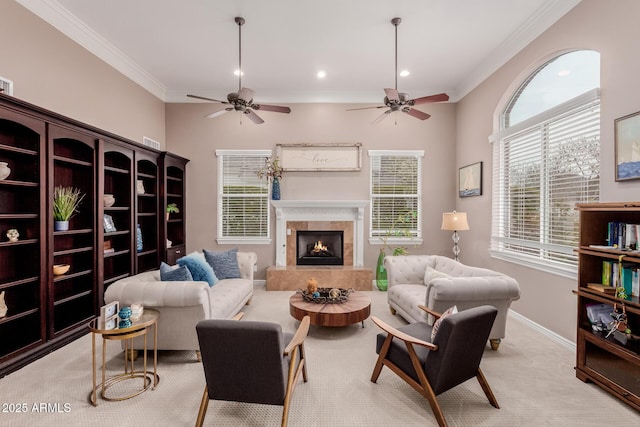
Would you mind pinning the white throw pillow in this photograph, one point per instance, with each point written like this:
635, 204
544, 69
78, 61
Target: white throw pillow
436, 325
431, 273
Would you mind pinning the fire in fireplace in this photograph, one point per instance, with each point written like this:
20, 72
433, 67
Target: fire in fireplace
319, 247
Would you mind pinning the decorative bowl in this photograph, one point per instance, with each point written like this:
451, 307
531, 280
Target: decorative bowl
59, 269
326, 295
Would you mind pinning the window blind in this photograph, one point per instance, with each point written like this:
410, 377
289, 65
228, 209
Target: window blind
395, 193
540, 173
243, 197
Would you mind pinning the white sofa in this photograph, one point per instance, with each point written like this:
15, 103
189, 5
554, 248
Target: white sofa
183, 304
466, 287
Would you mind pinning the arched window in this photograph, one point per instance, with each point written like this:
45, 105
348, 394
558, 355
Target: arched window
546, 158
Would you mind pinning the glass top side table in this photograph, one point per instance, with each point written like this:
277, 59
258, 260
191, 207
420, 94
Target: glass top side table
139, 327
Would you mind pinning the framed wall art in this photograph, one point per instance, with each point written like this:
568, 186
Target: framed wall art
109, 226
109, 315
470, 180
627, 147
320, 157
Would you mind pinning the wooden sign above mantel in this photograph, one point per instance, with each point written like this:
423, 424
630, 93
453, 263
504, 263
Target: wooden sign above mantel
320, 157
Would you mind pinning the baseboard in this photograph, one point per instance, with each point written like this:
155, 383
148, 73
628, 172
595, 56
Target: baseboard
544, 331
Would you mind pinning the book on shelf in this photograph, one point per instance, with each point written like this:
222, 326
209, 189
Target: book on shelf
626, 277
606, 289
623, 235
109, 250
607, 267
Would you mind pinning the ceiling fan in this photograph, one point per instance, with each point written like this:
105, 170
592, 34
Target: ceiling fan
242, 100
399, 101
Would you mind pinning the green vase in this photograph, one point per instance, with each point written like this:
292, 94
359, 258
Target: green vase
381, 272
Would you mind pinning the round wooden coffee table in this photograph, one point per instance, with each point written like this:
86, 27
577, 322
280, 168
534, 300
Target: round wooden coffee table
356, 309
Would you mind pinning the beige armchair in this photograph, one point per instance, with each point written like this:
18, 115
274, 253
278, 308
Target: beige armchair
439, 282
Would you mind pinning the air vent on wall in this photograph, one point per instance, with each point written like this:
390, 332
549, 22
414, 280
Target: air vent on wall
6, 86
150, 143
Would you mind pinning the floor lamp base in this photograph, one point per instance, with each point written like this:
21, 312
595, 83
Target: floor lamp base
456, 249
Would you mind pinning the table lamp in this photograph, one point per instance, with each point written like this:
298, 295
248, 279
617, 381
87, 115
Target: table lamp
455, 221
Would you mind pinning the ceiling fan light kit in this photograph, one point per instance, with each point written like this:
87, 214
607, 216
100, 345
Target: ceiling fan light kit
242, 100
399, 101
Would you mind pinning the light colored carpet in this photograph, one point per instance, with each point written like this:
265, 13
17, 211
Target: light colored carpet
532, 377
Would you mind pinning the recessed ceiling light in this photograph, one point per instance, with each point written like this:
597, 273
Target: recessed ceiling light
321, 74
563, 73
404, 73
238, 73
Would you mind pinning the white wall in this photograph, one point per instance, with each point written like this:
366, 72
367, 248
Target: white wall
609, 28
51, 71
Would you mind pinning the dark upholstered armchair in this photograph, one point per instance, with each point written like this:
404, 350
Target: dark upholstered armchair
433, 367
247, 361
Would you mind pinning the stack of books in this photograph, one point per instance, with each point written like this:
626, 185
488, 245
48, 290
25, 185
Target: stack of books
623, 274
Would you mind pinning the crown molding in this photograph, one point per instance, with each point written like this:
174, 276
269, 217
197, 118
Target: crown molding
538, 23
64, 21
52, 12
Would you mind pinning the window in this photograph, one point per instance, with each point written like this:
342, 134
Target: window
395, 192
546, 158
243, 198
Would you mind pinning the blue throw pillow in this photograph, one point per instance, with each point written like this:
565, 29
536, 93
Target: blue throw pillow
173, 274
200, 270
225, 264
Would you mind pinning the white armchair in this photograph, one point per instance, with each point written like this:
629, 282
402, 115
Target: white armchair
439, 282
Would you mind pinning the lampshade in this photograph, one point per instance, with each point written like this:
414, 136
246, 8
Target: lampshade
454, 221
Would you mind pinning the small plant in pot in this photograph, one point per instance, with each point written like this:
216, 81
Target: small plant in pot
172, 208
65, 204
399, 228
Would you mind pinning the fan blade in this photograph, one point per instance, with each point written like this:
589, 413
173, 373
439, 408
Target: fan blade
366, 108
274, 108
218, 113
380, 117
246, 94
427, 99
207, 99
254, 117
416, 113
392, 95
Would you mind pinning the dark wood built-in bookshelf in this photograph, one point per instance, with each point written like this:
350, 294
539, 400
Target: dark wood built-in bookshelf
44, 150
174, 191
611, 363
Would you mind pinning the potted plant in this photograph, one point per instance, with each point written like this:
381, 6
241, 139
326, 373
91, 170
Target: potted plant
272, 170
65, 204
396, 230
172, 208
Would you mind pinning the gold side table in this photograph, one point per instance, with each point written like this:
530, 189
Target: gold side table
139, 327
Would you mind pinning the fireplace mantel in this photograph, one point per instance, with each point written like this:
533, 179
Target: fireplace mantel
319, 210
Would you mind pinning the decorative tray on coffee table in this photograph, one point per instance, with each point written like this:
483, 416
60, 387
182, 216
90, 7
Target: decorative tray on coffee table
326, 295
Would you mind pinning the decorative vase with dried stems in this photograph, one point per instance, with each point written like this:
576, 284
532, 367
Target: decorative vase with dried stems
272, 170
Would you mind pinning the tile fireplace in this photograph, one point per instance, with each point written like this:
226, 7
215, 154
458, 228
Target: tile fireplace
323, 239
345, 215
